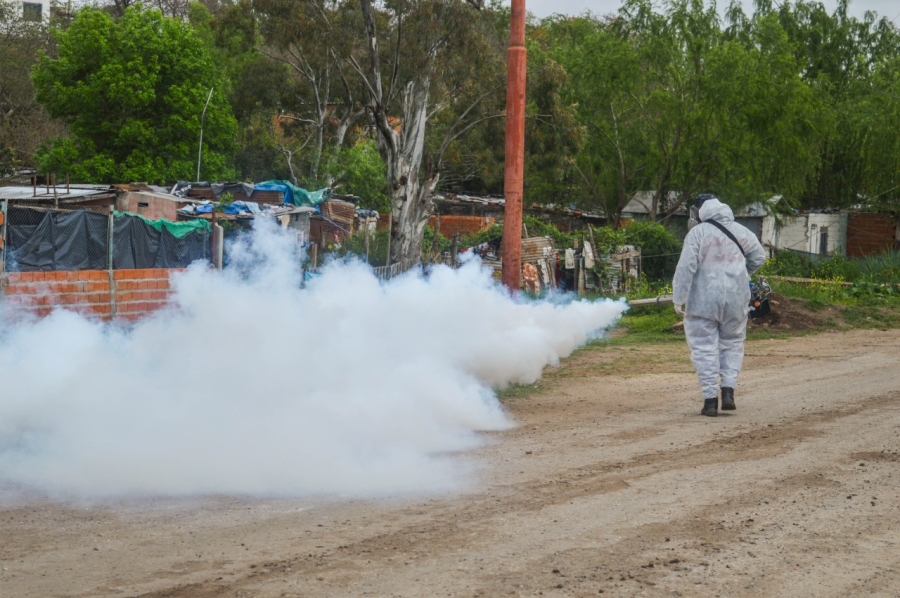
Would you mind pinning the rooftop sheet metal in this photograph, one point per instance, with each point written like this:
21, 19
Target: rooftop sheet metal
74, 192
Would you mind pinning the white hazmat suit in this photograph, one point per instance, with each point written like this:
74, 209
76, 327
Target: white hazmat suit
712, 282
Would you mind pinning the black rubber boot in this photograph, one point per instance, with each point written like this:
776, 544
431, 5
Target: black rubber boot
710, 407
728, 399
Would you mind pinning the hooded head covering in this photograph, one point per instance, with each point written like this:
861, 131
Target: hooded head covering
713, 209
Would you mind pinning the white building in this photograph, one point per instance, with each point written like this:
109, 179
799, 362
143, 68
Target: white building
821, 234
33, 10
812, 233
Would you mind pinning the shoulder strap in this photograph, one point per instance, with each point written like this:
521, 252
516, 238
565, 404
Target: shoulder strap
728, 234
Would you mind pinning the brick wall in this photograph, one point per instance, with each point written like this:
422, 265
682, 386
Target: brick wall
141, 291
134, 293
149, 205
868, 234
464, 225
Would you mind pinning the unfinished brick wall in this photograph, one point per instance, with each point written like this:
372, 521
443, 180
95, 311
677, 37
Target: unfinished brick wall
463, 225
139, 292
134, 293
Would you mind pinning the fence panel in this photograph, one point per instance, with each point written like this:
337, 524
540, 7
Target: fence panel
139, 243
51, 240
46, 240
394, 270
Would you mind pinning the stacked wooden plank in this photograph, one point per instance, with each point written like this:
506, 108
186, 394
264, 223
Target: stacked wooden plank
339, 212
275, 198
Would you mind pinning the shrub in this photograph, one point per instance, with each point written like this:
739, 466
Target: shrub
356, 245
660, 249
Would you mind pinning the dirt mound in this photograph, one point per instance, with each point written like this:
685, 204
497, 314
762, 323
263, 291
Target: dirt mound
791, 315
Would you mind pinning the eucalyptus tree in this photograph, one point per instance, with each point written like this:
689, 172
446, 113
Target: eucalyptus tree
423, 93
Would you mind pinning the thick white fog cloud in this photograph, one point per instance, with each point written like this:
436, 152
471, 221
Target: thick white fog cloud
250, 385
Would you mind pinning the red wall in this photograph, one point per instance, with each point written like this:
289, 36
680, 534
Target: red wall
135, 293
464, 225
869, 234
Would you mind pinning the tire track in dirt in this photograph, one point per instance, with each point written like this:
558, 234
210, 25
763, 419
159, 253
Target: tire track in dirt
450, 527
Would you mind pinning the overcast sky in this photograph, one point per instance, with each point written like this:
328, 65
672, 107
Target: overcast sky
543, 8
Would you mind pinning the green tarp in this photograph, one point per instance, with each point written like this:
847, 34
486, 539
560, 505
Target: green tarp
295, 195
176, 229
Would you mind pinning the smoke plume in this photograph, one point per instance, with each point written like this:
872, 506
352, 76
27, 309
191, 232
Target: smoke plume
250, 385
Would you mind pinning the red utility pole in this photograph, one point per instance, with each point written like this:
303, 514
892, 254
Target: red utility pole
515, 149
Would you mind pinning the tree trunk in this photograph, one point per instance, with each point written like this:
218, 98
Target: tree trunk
411, 191
411, 210
403, 151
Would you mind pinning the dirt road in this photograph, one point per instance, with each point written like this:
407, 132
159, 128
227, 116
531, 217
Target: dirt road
610, 485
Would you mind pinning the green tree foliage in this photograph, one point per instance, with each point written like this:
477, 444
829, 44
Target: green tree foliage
359, 170
553, 134
660, 249
665, 98
257, 84
314, 42
673, 104
132, 93
877, 122
849, 63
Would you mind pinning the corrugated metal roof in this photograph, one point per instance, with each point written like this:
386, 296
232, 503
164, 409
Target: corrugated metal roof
74, 192
536, 248
641, 202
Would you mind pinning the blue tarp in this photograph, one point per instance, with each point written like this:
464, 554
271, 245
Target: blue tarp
294, 195
236, 207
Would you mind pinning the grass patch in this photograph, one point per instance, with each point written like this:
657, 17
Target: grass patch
867, 316
814, 296
761, 334
818, 296
518, 391
650, 324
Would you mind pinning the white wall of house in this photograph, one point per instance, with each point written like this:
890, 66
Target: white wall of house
30, 8
767, 234
806, 233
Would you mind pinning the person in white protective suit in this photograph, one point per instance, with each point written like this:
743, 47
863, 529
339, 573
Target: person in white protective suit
711, 291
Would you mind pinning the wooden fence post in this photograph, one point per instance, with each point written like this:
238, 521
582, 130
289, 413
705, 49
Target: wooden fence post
454, 251
4, 216
110, 263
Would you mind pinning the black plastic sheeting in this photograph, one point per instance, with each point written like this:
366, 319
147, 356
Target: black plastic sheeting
136, 244
42, 240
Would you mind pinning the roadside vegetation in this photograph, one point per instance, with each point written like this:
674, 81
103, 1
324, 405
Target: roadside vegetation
846, 293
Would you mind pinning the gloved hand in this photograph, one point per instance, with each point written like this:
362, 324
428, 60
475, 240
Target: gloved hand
679, 309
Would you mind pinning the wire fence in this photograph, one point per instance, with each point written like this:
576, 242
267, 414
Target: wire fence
394, 270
